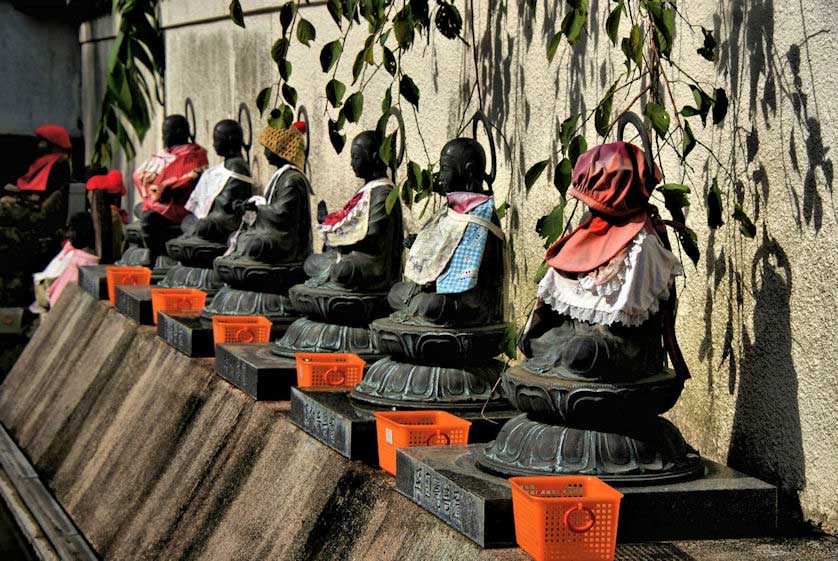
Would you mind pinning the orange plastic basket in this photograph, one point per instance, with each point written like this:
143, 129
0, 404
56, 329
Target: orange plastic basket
177, 300
403, 429
119, 276
329, 370
565, 518
241, 329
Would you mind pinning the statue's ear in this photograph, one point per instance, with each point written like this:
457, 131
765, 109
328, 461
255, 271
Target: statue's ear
472, 174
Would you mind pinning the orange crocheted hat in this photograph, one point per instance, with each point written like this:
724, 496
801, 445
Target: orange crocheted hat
289, 144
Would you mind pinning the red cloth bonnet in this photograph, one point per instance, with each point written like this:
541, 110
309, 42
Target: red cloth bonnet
111, 183
615, 181
55, 135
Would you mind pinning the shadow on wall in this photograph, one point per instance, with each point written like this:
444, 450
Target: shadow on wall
766, 438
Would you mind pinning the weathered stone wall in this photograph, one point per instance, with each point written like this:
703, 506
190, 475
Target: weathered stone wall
756, 316
155, 457
40, 68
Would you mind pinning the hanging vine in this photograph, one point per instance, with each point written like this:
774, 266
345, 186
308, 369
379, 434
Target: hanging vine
642, 30
134, 80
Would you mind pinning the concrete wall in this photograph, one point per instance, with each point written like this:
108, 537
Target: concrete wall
756, 316
40, 67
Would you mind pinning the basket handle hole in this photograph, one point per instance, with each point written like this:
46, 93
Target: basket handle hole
579, 524
245, 335
334, 376
439, 439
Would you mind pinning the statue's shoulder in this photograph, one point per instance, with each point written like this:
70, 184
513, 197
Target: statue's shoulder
238, 165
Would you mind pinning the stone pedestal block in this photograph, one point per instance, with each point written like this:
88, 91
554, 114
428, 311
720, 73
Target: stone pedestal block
724, 503
189, 334
135, 302
256, 371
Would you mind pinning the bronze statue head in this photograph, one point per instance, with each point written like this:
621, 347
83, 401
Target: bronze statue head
462, 166
175, 131
366, 161
227, 138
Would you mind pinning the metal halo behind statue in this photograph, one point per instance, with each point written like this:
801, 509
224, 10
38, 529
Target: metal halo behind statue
244, 110
480, 117
394, 112
302, 115
630, 118
189, 109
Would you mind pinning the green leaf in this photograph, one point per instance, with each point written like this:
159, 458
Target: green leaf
674, 188
392, 199
263, 99
448, 20
632, 47
703, 101
284, 69
689, 243
354, 107
335, 10
502, 209
407, 197
576, 148
281, 117
574, 21
306, 33
329, 54
612, 24
385, 151
687, 141
337, 139
414, 175
562, 176
286, 15
409, 91
403, 27
602, 115
719, 106
334, 92
534, 173
567, 129
553, 46
663, 24
745, 225
509, 347
358, 65
419, 9
279, 49
387, 102
659, 118
714, 206
236, 13
690, 111
550, 226
289, 94
389, 61
675, 199
708, 50
382, 39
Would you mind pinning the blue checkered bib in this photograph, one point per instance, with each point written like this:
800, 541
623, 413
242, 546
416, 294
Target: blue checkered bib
461, 273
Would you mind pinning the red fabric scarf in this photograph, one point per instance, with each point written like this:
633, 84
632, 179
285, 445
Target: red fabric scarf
36, 178
176, 180
338, 215
615, 181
